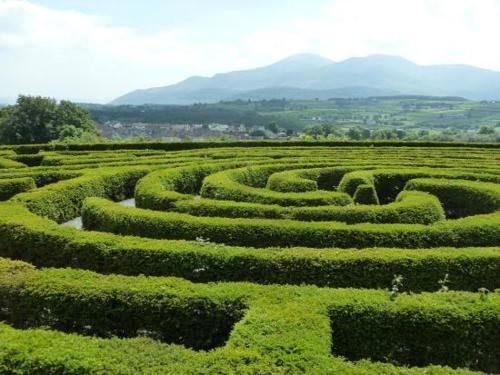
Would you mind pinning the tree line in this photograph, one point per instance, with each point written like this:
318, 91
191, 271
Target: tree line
36, 119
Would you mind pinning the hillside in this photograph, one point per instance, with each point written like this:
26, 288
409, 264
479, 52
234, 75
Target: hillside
308, 76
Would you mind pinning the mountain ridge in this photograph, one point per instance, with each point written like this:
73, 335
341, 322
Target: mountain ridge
301, 76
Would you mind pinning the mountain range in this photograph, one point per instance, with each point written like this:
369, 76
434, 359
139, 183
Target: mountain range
309, 76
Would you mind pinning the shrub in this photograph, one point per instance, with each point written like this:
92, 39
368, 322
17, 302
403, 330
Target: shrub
68, 320
99, 214
62, 201
365, 194
228, 185
410, 207
6, 163
460, 198
87, 303
11, 187
44, 243
283, 328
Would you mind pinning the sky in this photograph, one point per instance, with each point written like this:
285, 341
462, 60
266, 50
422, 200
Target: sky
95, 51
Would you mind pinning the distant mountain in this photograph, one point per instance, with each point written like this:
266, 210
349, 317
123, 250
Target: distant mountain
308, 76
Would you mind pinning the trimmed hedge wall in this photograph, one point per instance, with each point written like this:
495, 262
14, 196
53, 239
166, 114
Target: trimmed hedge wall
103, 215
410, 208
7, 163
389, 182
461, 198
176, 146
62, 201
405, 335
44, 243
243, 185
365, 194
11, 187
86, 303
288, 329
110, 323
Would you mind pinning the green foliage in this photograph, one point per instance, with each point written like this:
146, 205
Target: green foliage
402, 334
479, 230
410, 207
8, 163
97, 306
67, 320
63, 201
276, 320
237, 185
461, 198
11, 187
38, 120
44, 243
272, 127
365, 194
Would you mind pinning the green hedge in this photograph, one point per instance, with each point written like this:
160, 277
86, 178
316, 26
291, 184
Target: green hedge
245, 185
168, 310
176, 146
44, 243
161, 189
11, 187
402, 334
29, 160
410, 208
62, 201
256, 329
290, 182
461, 197
100, 214
284, 329
389, 182
7, 163
365, 194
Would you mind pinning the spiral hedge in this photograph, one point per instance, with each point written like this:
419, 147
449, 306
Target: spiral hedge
250, 258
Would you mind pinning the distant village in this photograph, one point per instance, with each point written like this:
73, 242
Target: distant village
174, 132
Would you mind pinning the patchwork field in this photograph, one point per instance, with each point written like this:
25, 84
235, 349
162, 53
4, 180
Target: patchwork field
257, 258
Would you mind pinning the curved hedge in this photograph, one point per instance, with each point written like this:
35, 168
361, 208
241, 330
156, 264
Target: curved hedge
409, 207
44, 243
244, 185
99, 214
460, 198
301, 319
269, 235
11, 187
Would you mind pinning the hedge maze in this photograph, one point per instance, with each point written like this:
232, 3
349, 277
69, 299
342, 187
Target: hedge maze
258, 258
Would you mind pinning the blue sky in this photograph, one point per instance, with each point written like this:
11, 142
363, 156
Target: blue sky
97, 50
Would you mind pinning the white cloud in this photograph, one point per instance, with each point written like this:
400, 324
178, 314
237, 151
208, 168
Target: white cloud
69, 54
79, 56
425, 31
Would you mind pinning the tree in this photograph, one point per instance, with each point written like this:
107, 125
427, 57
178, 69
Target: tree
327, 129
272, 127
315, 130
486, 130
68, 113
400, 133
365, 133
35, 119
354, 133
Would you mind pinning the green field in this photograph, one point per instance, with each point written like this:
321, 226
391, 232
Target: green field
429, 118
404, 112
251, 257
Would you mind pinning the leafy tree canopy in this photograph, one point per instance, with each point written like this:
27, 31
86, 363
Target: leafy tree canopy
35, 119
